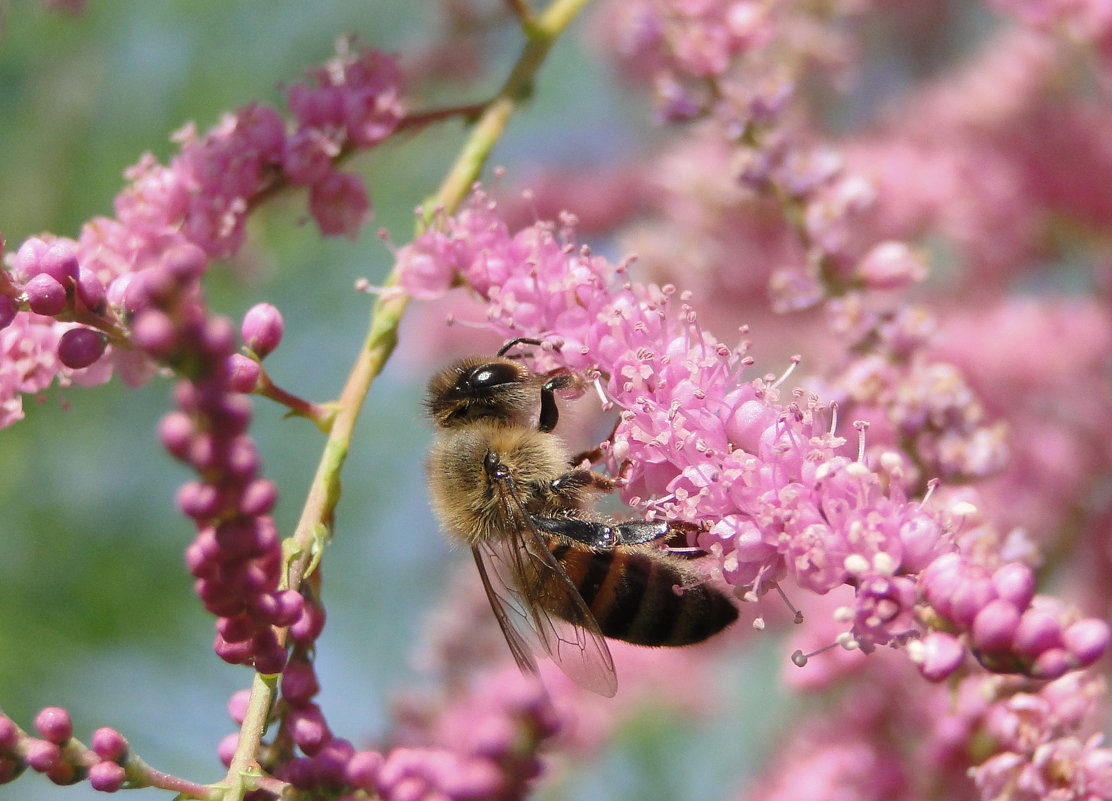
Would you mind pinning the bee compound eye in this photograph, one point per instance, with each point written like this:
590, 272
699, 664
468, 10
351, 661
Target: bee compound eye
491, 375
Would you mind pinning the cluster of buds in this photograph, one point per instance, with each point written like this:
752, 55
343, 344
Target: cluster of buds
61, 757
1008, 628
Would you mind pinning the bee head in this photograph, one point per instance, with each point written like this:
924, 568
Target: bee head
480, 387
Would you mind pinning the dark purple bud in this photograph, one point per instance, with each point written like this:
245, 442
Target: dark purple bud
90, 291
109, 744
270, 656
362, 769
299, 773
60, 263
8, 310
237, 706
185, 263
108, 777
80, 347
28, 256
330, 761
309, 626
42, 756
289, 606
308, 728
218, 597
65, 773
243, 538
54, 724
227, 748
258, 498
299, 683
45, 295
1015, 583
9, 733
235, 629
243, 373
262, 329
995, 626
154, 332
11, 768
1086, 640
1037, 631
234, 653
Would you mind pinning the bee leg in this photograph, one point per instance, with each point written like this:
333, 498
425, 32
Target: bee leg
550, 414
597, 534
572, 482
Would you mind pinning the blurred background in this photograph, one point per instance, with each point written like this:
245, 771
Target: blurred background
96, 609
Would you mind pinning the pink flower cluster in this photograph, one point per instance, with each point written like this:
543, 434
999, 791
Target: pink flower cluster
770, 480
63, 310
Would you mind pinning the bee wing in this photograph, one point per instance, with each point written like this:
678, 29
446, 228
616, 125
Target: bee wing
533, 580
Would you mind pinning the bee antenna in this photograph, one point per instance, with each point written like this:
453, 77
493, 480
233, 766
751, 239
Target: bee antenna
519, 341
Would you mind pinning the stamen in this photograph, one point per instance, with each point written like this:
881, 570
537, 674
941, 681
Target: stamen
783, 596
796, 359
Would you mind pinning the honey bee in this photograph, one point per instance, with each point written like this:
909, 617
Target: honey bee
557, 575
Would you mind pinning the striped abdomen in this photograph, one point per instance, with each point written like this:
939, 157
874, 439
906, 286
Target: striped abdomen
631, 594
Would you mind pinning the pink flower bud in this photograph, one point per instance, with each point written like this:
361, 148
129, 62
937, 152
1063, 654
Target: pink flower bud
995, 626
185, 263
45, 295
154, 332
1015, 582
237, 706
227, 748
90, 291
1086, 640
939, 654
262, 329
1050, 664
362, 769
60, 263
43, 756
28, 257
109, 744
108, 777
243, 373
308, 728
1037, 631
54, 724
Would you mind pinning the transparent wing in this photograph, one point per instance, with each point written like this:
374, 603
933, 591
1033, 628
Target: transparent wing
525, 584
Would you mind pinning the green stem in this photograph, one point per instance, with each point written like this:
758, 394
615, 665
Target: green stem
317, 514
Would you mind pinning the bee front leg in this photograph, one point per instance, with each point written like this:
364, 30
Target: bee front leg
550, 414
